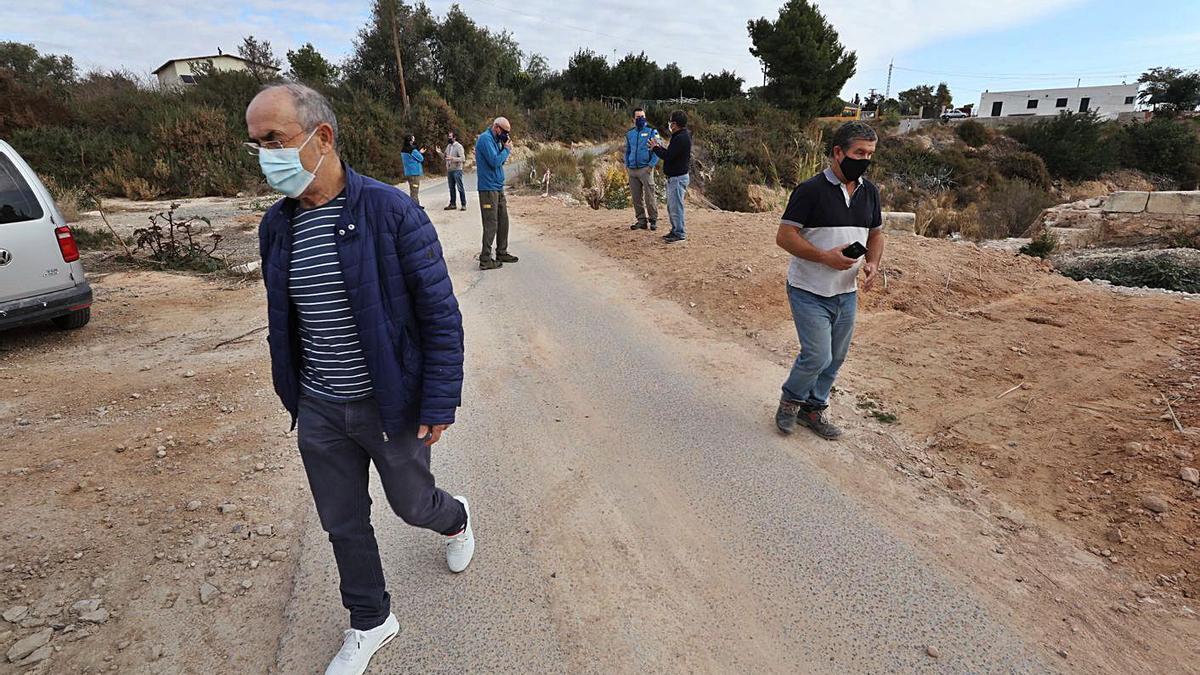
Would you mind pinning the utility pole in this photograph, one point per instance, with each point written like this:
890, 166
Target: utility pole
399, 62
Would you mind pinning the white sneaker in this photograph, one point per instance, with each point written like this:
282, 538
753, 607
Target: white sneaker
461, 546
360, 645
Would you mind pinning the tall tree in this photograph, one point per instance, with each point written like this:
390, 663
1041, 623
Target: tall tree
373, 65
634, 76
806, 65
263, 63
943, 99
307, 65
586, 76
723, 85
1170, 89
471, 62
39, 71
912, 101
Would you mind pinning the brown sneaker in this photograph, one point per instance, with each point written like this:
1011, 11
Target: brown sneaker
817, 419
506, 258
490, 264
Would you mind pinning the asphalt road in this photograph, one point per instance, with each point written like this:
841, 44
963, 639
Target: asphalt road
635, 510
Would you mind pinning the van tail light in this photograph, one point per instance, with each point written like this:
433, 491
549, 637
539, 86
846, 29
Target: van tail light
66, 243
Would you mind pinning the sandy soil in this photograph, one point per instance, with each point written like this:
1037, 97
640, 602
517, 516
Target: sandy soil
145, 465
1057, 472
1082, 450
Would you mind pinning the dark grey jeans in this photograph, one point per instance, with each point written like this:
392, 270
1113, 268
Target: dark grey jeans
338, 442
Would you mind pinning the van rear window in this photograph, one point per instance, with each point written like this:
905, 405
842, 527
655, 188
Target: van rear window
17, 201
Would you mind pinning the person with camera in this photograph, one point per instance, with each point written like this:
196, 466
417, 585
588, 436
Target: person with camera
831, 222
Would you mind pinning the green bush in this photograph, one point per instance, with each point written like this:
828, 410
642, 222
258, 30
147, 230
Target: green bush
973, 133
565, 121
1026, 166
1078, 146
1164, 147
729, 188
615, 183
1009, 207
1042, 246
431, 119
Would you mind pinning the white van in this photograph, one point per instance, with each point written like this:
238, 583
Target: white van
41, 278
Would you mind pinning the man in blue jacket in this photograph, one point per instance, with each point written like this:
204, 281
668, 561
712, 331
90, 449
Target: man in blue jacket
366, 346
639, 163
491, 152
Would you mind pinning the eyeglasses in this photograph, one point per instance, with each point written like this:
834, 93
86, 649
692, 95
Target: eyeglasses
253, 147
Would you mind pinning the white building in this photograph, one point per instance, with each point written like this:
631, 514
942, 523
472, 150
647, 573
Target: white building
1109, 101
183, 71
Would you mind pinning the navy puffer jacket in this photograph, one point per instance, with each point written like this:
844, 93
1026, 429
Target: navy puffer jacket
400, 292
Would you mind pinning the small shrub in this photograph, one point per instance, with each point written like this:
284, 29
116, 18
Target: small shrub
885, 417
556, 119
1078, 146
1042, 246
1164, 147
70, 200
973, 133
587, 169
1009, 207
564, 171
729, 189
1026, 166
174, 243
615, 183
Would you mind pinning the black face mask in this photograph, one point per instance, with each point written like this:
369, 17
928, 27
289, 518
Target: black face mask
853, 169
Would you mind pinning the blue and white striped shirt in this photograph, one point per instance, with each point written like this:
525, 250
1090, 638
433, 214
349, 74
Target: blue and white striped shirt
332, 363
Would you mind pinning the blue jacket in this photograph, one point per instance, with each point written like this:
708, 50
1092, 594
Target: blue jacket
637, 153
490, 157
413, 163
403, 303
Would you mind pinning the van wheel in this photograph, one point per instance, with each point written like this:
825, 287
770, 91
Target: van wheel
76, 319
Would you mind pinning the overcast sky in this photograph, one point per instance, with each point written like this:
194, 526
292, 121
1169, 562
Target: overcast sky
971, 44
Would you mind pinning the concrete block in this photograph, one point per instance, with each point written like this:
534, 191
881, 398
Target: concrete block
900, 221
1174, 203
1126, 202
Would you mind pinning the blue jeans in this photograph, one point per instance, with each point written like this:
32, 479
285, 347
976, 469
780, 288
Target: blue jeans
338, 443
825, 326
454, 178
676, 187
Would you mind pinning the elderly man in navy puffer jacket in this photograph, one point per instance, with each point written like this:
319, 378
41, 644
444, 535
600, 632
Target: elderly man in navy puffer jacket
366, 348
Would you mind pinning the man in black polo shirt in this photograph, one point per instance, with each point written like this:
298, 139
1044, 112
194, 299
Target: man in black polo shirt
826, 214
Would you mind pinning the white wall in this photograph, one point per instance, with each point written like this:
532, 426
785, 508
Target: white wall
1109, 100
169, 76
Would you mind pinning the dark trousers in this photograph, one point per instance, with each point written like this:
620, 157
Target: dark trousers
338, 442
454, 178
494, 208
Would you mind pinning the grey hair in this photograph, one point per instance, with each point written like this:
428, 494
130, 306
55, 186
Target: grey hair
312, 108
849, 132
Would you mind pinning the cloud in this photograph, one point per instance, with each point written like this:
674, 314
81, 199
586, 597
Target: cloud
703, 36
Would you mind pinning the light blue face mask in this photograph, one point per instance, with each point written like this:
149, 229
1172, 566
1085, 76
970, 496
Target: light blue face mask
284, 171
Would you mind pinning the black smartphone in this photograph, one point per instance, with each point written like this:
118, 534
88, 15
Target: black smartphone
855, 250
